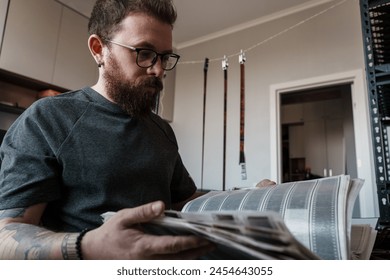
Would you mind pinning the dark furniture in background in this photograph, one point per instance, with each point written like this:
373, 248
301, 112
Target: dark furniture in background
376, 38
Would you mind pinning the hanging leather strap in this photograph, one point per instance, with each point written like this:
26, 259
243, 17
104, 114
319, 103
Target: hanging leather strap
242, 162
205, 69
225, 66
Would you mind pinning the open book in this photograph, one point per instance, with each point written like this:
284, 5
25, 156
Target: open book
297, 220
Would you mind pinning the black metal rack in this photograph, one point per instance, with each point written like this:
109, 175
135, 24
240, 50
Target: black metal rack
375, 16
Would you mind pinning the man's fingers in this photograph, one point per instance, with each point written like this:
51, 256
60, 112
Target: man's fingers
140, 214
187, 255
174, 246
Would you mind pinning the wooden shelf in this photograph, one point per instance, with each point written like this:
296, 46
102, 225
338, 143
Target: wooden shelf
29, 83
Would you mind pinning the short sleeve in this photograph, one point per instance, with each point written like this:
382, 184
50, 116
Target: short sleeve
29, 170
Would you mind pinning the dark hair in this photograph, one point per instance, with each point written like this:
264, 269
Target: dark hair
108, 14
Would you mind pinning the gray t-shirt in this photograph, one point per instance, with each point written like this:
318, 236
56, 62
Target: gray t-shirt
84, 156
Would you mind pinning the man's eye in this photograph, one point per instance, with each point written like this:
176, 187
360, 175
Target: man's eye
166, 58
146, 55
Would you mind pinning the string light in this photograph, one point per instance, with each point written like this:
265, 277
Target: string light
269, 38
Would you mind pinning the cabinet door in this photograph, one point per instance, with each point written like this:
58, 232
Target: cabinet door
3, 16
324, 147
74, 67
336, 153
315, 146
30, 38
296, 141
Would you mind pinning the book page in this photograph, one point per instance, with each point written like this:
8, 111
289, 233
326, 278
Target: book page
362, 241
237, 235
316, 211
298, 220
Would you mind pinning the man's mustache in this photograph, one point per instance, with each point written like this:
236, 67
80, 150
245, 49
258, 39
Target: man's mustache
152, 82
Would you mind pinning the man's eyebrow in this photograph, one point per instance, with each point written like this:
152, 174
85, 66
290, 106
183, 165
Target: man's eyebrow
150, 46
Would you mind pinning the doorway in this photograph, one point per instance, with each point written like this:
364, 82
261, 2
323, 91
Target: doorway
317, 133
367, 199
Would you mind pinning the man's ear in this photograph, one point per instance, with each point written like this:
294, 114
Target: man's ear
95, 46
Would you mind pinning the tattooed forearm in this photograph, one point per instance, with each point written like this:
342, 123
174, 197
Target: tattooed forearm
12, 213
21, 237
26, 241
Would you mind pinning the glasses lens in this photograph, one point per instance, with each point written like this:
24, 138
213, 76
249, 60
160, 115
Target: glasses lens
146, 58
169, 61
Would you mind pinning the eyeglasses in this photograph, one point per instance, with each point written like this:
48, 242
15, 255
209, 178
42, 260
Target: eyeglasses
147, 58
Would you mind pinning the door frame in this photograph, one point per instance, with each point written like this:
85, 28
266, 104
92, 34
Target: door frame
368, 199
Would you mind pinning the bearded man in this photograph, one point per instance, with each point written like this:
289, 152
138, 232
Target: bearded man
72, 157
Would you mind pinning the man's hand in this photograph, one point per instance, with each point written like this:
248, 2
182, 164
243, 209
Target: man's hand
265, 183
121, 237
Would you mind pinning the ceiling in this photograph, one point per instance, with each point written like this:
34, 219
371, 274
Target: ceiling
202, 20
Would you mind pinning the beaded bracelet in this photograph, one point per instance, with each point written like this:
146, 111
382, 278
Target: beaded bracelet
78, 243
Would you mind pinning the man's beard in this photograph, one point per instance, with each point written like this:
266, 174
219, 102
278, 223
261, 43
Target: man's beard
137, 98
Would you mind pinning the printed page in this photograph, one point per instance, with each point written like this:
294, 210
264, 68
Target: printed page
362, 241
245, 235
315, 211
238, 235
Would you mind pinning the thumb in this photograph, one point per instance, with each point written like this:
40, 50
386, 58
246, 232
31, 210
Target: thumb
265, 183
141, 214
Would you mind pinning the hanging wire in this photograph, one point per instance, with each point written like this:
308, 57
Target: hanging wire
269, 38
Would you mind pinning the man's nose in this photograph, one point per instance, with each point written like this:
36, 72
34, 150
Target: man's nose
157, 68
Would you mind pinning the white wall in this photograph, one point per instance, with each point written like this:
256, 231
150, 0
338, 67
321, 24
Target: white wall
327, 44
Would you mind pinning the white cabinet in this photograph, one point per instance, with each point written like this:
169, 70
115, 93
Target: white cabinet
324, 147
336, 147
74, 66
30, 38
324, 138
296, 141
3, 17
47, 42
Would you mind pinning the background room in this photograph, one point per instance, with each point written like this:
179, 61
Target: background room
306, 102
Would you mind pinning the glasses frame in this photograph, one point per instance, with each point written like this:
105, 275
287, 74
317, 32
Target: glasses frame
161, 55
